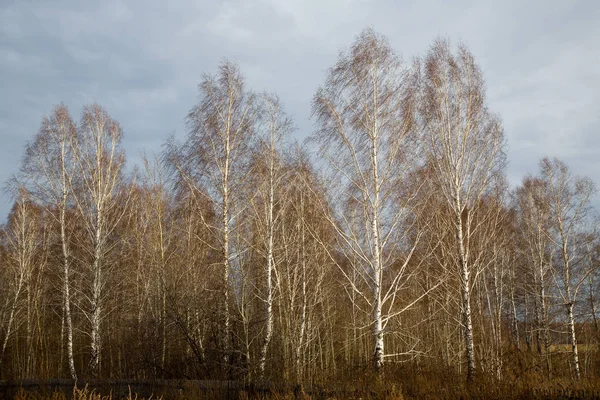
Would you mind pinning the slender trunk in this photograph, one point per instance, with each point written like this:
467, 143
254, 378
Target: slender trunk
543, 330
226, 267
96, 309
546, 329
571, 321
378, 331
19, 286
515, 321
269, 311
249, 375
28, 334
270, 265
527, 326
377, 278
547, 345
539, 307
163, 321
163, 289
593, 304
465, 285
498, 288
569, 298
66, 290
330, 319
197, 332
11, 318
301, 334
62, 341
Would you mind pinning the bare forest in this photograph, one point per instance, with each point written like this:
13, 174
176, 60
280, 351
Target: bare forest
388, 246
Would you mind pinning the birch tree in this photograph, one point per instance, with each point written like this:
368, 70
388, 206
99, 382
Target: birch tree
465, 148
159, 239
365, 134
24, 237
195, 304
568, 198
213, 159
300, 235
493, 253
534, 223
277, 126
99, 162
47, 171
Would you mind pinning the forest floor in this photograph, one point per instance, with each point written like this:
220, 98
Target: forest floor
232, 390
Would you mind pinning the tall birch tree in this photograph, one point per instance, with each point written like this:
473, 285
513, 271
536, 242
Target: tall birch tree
99, 162
277, 126
47, 171
365, 134
535, 246
465, 148
212, 162
25, 237
568, 197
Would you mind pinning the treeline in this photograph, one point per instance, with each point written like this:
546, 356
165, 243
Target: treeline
389, 238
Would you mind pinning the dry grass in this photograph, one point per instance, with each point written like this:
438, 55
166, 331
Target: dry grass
566, 348
78, 394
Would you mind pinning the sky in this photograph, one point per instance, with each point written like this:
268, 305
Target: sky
142, 60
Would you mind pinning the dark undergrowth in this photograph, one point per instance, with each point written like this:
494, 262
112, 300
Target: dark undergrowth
525, 378
415, 387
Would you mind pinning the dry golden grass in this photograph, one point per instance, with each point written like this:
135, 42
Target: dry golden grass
565, 348
78, 394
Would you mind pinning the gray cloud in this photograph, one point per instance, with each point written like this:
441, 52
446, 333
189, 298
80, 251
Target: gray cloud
143, 61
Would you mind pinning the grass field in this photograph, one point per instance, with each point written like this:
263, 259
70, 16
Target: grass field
581, 348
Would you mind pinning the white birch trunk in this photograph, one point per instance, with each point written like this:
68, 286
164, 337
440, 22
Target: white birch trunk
572, 337
19, 244
465, 289
226, 267
570, 301
515, 321
11, 319
545, 323
66, 288
299, 350
376, 262
270, 262
96, 309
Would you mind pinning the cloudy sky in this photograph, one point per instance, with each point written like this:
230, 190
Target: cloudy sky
142, 62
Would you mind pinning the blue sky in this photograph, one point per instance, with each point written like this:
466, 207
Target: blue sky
142, 61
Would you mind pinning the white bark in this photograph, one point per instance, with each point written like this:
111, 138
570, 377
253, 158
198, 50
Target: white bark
22, 241
211, 165
568, 198
11, 316
534, 221
270, 260
48, 169
465, 291
573, 339
66, 292
99, 161
278, 126
304, 297
96, 307
465, 152
377, 266
364, 114
65, 252
225, 339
